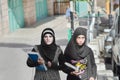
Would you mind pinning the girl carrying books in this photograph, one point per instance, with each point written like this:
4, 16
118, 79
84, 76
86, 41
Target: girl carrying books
51, 56
78, 54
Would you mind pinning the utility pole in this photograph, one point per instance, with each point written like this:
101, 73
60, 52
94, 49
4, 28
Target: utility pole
110, 13
71, 16
92, 22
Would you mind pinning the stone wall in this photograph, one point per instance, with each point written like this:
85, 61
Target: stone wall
101, 3
4, 19
50, 4
29, 12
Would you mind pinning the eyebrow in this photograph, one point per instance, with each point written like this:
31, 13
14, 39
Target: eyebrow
48, 35
81, 36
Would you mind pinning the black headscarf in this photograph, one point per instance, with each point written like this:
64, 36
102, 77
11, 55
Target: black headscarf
48, 51
73, 49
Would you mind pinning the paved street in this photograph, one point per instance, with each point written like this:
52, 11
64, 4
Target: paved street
12, 48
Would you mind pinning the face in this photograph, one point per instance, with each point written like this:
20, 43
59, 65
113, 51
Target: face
80, 40
48, 39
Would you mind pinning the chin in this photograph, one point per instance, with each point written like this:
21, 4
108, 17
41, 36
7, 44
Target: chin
49, 43
80, 44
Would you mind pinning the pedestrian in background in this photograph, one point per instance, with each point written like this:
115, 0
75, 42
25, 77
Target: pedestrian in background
68, 18
78, 54
52, 57
67, 14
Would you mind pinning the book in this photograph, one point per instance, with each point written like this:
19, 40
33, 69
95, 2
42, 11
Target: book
34, 56
71, 66
76, 68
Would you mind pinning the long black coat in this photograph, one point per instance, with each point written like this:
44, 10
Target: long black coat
91, 66
75, 52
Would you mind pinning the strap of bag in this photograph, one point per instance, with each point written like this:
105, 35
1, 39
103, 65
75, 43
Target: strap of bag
36, 48
57, 53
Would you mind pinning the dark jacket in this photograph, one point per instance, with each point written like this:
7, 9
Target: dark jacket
58, 58
91, 66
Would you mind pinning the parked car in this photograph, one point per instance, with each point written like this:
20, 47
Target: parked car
115, 33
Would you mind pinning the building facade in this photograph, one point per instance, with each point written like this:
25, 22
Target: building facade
15, 14
4, 19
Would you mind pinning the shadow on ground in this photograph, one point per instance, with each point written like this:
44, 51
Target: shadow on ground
62, 42
15, 45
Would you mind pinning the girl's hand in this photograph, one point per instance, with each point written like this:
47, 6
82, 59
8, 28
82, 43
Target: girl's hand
91, 78
41, 61
77, 73
49, 64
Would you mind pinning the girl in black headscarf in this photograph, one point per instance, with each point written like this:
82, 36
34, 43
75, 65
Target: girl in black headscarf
81, 56
52, 57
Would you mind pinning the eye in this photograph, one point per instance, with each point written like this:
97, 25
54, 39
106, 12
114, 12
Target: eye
83, 37
45, 36
50, 36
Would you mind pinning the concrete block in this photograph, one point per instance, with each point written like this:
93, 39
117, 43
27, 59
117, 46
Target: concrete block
107, 30
102, 77
103, 41
95, 50
97, 60
105, 72
107, 48
112, 78
109, 39
105, 34
94, 45
115, 49
100, 40
100, 67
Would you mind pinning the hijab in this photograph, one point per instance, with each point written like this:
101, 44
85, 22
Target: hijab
74, 50
48, 51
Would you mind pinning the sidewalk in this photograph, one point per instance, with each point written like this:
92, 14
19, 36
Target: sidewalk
13, 58
28, 35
